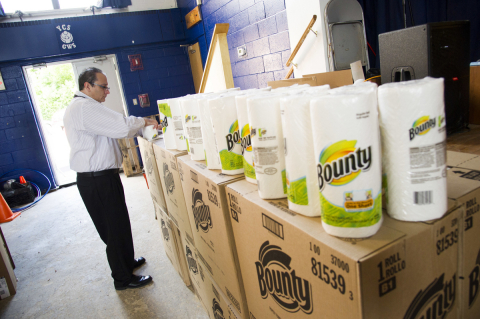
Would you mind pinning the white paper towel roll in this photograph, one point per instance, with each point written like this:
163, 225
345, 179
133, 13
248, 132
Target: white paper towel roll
412, 123
307, 44
168, 126
347, 153
149, 133
244, 126
180, 139
268, 145
209, 143
223, 113
193, 130
300, 161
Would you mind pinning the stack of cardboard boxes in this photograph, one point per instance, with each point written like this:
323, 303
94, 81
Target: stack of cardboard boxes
252, 258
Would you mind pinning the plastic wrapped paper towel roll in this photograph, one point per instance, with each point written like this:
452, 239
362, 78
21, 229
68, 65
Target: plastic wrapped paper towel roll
224, 118
412, 123
244, 125
209, 143
180, 139
268, 145
168, 126
191, 116
347, 154
149, 132
302, 186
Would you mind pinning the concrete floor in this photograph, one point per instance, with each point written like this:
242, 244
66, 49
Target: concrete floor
62, 268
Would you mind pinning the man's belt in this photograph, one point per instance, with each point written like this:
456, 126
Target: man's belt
99, 173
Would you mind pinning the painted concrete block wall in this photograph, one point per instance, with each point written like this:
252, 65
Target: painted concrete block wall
20, 145
260, 25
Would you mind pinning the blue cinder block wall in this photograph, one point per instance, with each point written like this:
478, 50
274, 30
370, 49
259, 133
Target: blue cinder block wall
158, 36
260, 25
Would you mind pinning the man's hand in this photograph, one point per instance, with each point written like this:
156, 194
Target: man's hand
155, 124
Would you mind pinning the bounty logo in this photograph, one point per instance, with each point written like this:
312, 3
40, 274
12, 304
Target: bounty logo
341, 162
201, 212
187, 118
233, 136
422, 126
217, 310
277, 278
435, 301
164, 124
169, 182
473, 284
246, 139
192, 263
165, 232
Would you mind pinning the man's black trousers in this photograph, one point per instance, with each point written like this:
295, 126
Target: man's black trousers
104, 199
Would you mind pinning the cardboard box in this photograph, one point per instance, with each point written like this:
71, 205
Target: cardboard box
151, 171
214, 300
457, 159
334, 79
289, 82
212, 230
293, 269
8, 281
463, 187
173, 192
167, 236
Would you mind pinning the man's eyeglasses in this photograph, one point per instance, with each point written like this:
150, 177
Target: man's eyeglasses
103, 87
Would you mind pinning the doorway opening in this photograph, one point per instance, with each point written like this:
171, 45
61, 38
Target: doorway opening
52, 86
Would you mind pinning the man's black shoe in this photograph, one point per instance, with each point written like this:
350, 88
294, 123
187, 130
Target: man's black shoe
137, 282
138, 262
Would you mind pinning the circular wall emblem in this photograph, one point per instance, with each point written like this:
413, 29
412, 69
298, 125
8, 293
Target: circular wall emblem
66, 37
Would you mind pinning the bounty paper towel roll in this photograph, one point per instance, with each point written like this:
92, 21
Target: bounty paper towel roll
347, 154
180, 139
223, 113
244, 126
168, 126
212, 156
268, 145
191, 117
300, 161
412, 123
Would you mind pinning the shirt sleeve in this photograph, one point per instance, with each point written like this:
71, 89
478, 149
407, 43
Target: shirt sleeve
100, 120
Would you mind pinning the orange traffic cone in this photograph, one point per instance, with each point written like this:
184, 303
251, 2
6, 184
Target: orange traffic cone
6, 214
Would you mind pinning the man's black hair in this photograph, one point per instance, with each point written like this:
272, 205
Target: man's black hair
88, 75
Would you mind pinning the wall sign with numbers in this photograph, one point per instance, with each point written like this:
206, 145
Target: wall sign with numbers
66, 37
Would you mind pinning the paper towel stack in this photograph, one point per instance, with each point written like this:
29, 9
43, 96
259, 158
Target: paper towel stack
168, 126
268, 145
180, 139
212, 155
193, 130
299, 154
223, 113
244, 126
347, 153
412, 122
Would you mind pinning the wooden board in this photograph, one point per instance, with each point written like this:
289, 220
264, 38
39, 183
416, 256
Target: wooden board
217, 75
193, 17
474, 117
334, 79
283, 83
196, 65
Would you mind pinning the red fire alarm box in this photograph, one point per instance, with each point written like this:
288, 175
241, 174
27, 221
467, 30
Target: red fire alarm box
144, 100
135, 62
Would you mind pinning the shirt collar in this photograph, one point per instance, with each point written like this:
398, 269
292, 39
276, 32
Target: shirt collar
79, 93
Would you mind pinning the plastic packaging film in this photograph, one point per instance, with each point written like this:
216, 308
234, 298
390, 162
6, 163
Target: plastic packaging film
244, 126
209, 143
180, 139
268, 145
223, 113
149, 133
347, 154
168, 126
302, 186
193, 130
413, 128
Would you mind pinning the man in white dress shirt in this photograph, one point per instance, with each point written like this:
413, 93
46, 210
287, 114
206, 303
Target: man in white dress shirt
92, 131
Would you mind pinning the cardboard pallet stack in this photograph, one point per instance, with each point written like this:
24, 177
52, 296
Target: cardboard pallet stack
252, 258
